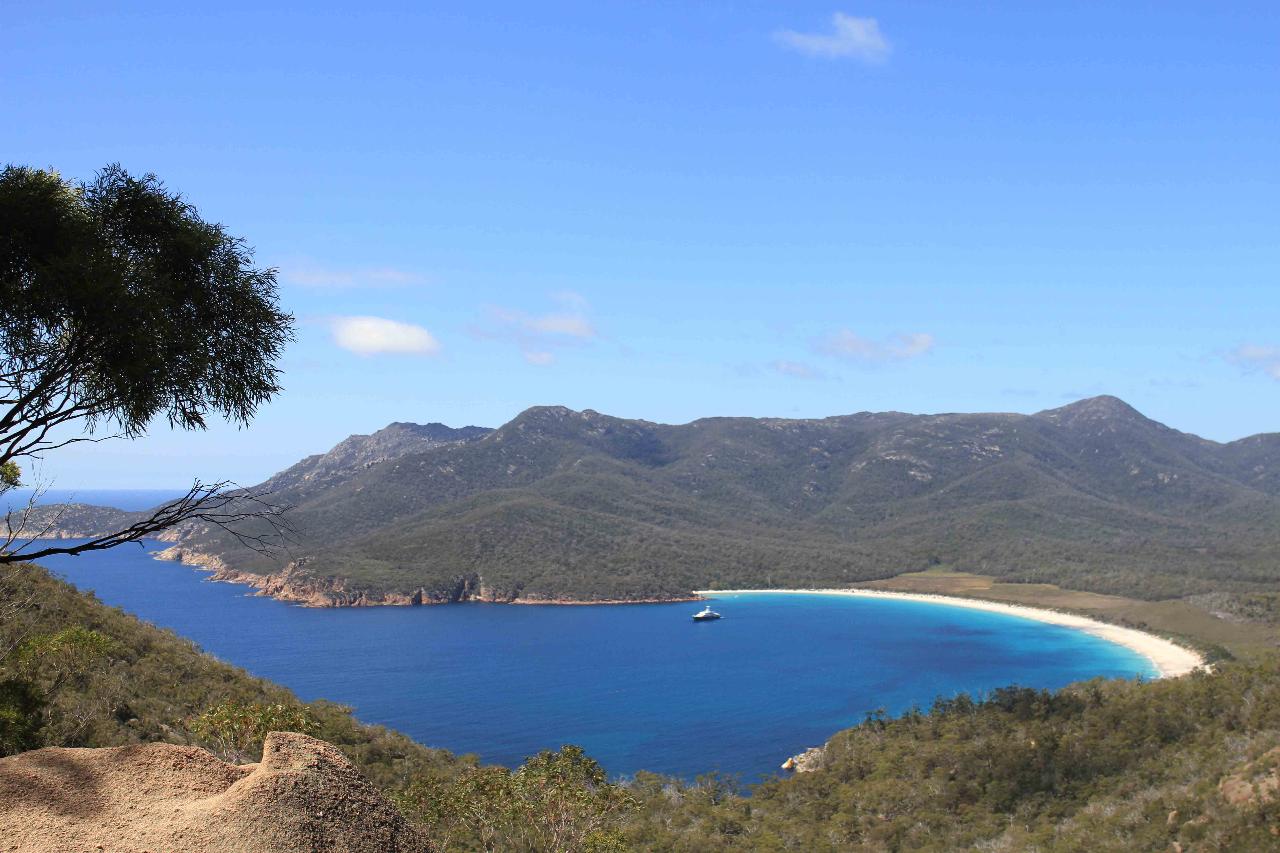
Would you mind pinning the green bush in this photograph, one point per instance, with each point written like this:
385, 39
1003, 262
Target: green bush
66, 679
557, 801
20, 716
235, 731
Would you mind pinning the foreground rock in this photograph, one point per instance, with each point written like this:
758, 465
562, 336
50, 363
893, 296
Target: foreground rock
303, 796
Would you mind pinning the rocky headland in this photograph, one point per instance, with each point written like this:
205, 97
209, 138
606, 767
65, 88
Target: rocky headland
293, 584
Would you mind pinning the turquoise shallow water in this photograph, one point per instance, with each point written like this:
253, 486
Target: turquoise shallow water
638, 686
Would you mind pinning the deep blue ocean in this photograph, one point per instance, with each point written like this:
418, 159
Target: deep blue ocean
126, 499
638, 686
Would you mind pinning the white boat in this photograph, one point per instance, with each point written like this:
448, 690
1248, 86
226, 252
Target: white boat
706, 614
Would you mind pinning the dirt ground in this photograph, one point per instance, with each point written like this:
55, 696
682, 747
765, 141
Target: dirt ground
156, 798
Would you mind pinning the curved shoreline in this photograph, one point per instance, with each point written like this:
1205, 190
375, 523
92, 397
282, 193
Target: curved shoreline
1169, 659
332, 592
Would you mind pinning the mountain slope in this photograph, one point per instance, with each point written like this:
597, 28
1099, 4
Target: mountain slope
559, 504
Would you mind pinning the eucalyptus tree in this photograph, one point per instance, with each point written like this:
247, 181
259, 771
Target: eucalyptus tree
120, 307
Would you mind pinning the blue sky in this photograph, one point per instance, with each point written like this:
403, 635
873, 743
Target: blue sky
675, 210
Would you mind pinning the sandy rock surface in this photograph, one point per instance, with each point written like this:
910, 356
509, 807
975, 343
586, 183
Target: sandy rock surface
303, 796
1256, 782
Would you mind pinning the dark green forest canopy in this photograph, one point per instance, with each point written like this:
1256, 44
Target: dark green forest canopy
565, 504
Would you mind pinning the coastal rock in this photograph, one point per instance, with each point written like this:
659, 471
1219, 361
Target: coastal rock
303, 796
192, 558
806, 762
294, 584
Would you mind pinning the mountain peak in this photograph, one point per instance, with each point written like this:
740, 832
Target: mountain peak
547, 412
433, 431
558, 417
541, 421
1101, 408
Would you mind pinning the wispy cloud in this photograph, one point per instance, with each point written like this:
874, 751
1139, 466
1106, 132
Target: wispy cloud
848, 344
796, 370
1255, 357
850, 38
376, 335
537, 335
308, 274
539, 357
568, 325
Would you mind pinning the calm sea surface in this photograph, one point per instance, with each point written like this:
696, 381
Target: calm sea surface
130, 500
638, 686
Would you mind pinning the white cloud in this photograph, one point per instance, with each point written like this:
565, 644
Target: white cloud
539, 357
570, 325
313, 275
375, 335
851, 38
911, 345
796, 370
537, 334
1257, 357
848, 344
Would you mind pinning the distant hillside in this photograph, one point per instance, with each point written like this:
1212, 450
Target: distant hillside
361, 452
559, 504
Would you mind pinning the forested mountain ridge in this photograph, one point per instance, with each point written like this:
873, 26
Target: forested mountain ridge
560, 504
360, 452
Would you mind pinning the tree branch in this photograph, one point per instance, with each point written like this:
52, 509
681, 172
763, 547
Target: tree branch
223, 505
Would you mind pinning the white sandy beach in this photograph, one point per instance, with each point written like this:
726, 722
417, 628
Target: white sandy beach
1169, 658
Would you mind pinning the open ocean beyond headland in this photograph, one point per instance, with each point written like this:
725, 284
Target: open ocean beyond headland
638, 686
130, 500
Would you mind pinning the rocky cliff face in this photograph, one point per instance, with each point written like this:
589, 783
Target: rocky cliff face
303, 796
292, 583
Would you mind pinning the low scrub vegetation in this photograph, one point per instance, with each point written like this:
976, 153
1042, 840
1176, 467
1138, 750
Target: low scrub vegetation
236, 731
74, 672
555, 801
1103, 765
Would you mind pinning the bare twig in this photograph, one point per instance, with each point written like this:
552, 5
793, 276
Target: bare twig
223, 505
